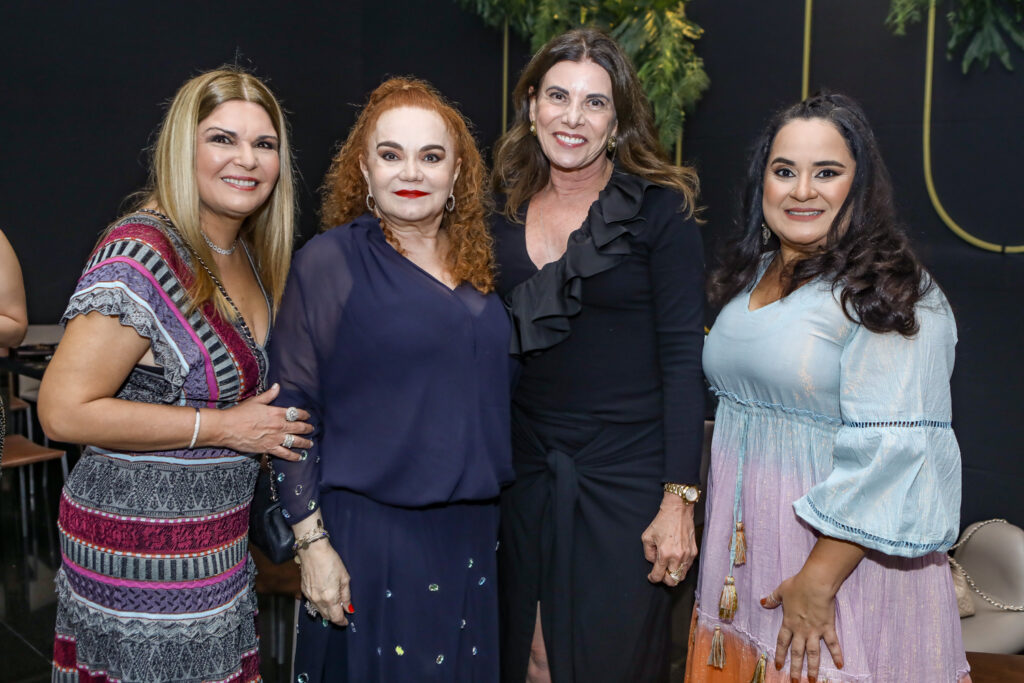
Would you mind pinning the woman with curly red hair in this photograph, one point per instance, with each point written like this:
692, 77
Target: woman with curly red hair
391, 336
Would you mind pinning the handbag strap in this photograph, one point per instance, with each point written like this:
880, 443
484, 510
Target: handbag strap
970, 582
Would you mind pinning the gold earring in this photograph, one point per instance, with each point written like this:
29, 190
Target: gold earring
533, 129
612, 144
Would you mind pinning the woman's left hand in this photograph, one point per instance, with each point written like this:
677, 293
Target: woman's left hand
808, 617
808, 601
669, 542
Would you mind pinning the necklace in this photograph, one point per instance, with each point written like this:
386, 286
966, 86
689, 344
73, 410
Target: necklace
221, 250
246, 334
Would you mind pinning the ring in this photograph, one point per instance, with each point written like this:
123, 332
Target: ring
289, 440
677, 574
311, 610
292, 414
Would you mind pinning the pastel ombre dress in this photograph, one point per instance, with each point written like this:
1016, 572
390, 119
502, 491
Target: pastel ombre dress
156, 581
824, 427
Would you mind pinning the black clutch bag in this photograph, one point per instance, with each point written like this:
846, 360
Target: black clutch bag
268, 529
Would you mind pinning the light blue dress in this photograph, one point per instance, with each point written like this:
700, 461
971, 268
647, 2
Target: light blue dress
824, 427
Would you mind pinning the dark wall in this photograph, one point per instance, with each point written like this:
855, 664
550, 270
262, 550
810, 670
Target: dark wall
84, 84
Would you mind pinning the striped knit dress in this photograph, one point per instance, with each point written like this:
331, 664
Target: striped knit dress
156, 582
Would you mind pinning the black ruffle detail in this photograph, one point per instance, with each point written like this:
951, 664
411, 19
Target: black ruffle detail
543, 305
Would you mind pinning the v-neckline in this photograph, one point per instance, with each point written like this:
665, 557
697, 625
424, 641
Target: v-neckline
266, 300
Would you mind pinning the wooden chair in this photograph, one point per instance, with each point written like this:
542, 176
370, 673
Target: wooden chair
21, 453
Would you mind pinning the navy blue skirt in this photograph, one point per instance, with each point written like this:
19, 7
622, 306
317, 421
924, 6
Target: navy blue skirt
424, 591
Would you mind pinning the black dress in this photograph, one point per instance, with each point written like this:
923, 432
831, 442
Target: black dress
609, 406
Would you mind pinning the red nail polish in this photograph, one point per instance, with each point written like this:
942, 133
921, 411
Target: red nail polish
351, 609
778, 667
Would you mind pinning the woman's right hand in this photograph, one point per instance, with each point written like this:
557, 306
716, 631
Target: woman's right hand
255, 426
325, 582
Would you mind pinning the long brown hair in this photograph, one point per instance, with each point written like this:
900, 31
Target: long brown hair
470, 257
520, 168
869, 261
172, 187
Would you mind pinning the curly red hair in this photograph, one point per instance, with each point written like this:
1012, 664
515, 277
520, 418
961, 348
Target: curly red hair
470, 257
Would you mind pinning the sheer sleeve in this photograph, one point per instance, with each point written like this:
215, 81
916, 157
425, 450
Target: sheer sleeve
895, 482
302, 347
677, 280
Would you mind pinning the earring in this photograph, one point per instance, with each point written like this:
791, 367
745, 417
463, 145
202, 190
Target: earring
766, 234
533, 129
371, 203
450, 204
612, 144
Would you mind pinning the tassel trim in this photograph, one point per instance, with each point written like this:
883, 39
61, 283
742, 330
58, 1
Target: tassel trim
728, 603
740, 543
760, 671
716, 657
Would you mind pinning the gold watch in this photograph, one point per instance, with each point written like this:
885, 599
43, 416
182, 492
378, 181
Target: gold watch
689, 494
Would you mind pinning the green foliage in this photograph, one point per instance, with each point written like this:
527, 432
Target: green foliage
518, 13
977, 27
903, 12
656, 34
977, 24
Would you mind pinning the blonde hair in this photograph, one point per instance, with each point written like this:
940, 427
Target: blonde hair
470, 257
172, 186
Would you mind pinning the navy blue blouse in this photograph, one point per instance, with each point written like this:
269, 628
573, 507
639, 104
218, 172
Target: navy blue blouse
408, 382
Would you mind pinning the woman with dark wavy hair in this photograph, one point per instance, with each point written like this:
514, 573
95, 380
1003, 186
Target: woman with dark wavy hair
601, 264
835, 473
390, 334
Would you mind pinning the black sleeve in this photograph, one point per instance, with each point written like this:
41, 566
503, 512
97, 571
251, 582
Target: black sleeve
677, 283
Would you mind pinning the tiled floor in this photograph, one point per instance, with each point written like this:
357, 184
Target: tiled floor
28, 602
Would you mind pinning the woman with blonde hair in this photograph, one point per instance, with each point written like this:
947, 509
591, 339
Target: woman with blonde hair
162, 371
390, 334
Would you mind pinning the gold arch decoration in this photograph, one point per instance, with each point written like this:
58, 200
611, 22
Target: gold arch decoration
926, 130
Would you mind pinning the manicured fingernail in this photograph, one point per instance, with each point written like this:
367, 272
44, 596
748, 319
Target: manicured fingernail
764, 601
778, 667
323, 622
351, 608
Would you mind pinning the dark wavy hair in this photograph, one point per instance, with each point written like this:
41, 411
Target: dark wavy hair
520, 168
870, 261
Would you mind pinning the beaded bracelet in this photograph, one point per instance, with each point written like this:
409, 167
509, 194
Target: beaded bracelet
312, 536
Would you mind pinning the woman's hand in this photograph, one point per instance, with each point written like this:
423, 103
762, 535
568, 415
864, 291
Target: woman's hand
808, 617
669, 542
809, 606
325, 582
255, 426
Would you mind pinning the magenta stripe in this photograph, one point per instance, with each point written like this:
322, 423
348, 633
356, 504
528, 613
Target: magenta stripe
89, 574
210, 378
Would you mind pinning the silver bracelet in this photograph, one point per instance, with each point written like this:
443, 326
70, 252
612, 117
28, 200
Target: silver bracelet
195, 431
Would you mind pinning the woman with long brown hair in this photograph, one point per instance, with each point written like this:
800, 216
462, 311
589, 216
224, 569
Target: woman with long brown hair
835, 474
390, 334
601, 263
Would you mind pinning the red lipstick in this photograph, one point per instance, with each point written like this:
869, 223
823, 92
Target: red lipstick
411, 194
